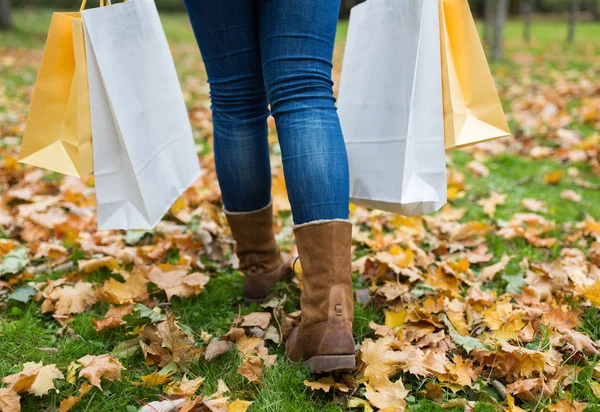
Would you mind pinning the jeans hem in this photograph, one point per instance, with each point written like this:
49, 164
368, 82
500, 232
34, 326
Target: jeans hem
250, 211
320, 222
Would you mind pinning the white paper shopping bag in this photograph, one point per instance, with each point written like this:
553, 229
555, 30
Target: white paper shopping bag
390, 106
144, 153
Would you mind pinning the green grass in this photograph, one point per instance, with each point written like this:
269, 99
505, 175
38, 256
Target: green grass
23, 329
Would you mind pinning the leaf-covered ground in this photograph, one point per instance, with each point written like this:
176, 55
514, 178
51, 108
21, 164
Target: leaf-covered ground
489, 305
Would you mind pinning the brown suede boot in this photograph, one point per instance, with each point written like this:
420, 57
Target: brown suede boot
261, 261
324, 338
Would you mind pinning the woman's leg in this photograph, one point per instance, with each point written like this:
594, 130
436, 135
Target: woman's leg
297, 40
227, 33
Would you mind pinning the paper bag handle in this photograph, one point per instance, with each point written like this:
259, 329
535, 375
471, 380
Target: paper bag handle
108, 3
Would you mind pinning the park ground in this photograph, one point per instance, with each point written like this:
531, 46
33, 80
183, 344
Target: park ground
488, 305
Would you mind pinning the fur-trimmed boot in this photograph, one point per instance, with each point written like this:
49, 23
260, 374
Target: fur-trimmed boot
260, 259
324, 338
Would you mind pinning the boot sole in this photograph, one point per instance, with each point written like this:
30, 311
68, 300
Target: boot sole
331, 363
286, 277
249, 301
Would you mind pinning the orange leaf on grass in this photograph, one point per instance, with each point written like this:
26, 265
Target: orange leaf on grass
97, 367
178, 282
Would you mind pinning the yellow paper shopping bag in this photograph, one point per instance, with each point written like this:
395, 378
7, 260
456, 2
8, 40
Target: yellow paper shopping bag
472, 109
58, 133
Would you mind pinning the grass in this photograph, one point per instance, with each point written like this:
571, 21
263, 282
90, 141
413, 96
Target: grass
24, 330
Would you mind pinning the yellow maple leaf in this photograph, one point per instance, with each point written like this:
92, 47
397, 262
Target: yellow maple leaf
239, 406
381, 361
35, 378
388, 397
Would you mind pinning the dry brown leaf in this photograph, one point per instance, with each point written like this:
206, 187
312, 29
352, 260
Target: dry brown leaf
175, 339
478, 168
134, 289
571, 195
71, 401
325, 384
73, 299
186, 387
388, 396
260, 319
381, 330
488, 273
380, 360
246, 345
566, 406
178, 282
217, 348
113, 318
93, 265
35, 378
580, 341
251, 369
97, 367
489, 205
462, 371
534, 205
527, 334
10, 401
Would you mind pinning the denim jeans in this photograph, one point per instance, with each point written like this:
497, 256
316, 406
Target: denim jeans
274, 56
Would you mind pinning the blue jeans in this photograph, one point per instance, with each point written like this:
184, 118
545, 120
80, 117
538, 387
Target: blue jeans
277, 52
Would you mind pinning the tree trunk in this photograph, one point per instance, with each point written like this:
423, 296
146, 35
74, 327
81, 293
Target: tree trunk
595, 10
488, 30
501, 10
6, 22
526, 10
573, 20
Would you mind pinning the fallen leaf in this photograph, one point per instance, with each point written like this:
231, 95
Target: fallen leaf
566, 406
178, 282
73, 299
554, 178
534, 205
489, 272
94, 265
134, 289
238, 406
359, 403
113, 318
325, 384
571, 195
388, 397
260, 319
251, 369
71, 401
381, 361
175, 339
478, 168
35, 378
489, 205
10, 401
97, 367
185, 387
217, 348
14, 262
154, 379
166, 405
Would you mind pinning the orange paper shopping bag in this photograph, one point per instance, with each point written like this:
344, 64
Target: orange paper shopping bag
472, 109
58, 133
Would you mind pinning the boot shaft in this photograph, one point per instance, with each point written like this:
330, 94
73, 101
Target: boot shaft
325, 256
